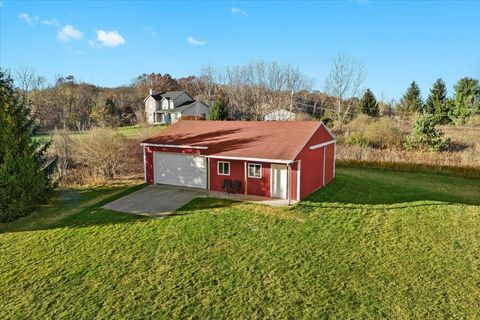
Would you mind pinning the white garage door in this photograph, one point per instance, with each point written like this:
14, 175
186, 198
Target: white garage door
180, 170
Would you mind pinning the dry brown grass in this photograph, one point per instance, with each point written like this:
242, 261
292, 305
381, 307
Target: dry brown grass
377, 143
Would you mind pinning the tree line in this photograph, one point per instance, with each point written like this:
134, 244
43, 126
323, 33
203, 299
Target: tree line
245, 92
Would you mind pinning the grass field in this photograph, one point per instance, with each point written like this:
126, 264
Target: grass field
373, 244
131, 132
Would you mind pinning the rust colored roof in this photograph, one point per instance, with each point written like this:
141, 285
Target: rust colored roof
278, 140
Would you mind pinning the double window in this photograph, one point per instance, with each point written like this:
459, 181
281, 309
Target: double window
223, 168
254, 170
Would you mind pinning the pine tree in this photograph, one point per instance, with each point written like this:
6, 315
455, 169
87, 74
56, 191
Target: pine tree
25, 170
437, 102
467, 99
411, 101
369, 105
218, 111
425, 136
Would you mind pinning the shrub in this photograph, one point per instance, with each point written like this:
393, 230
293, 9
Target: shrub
105, 152
384, 133
426, 136
356, 139
376, 132
62, 148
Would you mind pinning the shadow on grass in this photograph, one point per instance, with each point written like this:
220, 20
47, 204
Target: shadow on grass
74, 208
203, 203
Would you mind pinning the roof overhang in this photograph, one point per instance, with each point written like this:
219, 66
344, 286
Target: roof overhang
251, 159
146, 144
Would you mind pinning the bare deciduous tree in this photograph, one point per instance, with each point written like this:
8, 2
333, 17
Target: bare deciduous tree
27, 80
345, 82
258, 87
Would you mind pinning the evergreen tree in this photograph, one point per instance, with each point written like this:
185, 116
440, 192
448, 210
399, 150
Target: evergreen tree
437, 102
411, 101
218, 111
467, 99
25, 171
425, 136
369, 105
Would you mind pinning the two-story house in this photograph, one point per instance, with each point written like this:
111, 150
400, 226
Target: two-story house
168, 107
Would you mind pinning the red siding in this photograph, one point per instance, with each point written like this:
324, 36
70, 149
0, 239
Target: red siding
311, 168
149, 158
259, 187
236, 173
329, 163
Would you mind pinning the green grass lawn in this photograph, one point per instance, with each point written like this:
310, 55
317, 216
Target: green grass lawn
373, 244
128, 131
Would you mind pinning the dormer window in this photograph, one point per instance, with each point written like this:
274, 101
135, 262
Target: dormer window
165, 104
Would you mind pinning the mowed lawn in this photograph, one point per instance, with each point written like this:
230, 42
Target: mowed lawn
373, 244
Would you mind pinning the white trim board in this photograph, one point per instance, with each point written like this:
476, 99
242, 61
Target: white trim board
321, 145
173, 146
251, 159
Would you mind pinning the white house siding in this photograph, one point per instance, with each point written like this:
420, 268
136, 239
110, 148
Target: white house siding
197, 109
150, 108
280, 115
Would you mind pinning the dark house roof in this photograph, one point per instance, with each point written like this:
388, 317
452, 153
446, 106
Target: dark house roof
183, 107
171, 95
274, 140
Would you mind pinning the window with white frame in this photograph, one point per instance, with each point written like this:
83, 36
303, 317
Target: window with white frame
254, 170
223, 168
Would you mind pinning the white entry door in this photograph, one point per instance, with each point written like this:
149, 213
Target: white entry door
279, 181
180, 170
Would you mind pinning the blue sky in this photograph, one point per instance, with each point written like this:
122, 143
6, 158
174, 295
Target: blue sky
109, 43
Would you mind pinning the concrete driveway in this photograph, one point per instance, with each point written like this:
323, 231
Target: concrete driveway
155, 200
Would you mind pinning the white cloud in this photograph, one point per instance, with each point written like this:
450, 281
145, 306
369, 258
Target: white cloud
110, 38
27, 18
196, 42
36, 19
68, 33
238, 11
52, 22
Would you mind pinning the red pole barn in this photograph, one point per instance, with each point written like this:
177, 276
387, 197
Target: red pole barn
277, 159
